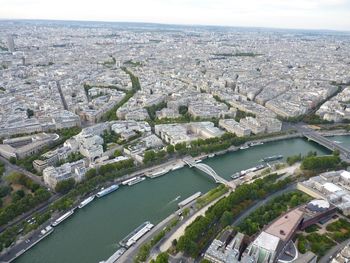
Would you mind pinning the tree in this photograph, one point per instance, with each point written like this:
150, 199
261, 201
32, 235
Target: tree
13, 160
65, 186
183, 110
162, 258
149, 156
226, 219
170, 149
336, 153
30, 113
91, 173
117, 153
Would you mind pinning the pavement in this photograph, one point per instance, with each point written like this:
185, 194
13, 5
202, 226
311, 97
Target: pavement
333, 251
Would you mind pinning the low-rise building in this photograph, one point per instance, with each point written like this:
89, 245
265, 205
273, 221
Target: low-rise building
234, 127
22, 147
53, 175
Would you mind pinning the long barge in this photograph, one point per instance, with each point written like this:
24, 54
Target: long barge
107, 191
158, 173
135, 235
86, 201
250, 170
189, 199
62, 218
133, 181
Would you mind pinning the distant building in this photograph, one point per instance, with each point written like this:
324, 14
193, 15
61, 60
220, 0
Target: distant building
10, 43
22, 147
234, 127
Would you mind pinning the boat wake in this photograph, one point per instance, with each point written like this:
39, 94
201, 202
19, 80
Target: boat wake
175, 199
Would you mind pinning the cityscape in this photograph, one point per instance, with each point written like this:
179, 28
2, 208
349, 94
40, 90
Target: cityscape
166, 142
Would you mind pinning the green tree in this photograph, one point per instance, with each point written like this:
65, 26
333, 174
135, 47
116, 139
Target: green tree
226, 219
149, 156
170, 149
65, 186
117, 153
162, 258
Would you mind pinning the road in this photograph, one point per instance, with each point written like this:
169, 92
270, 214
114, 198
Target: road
333, 251
26, 243
247, 212
39, 209
35, 178
321, 140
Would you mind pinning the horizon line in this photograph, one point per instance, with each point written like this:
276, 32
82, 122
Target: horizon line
172, 24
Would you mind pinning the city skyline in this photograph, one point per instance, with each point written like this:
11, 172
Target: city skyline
310, 14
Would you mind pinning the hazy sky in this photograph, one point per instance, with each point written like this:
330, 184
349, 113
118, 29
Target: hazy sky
312, 14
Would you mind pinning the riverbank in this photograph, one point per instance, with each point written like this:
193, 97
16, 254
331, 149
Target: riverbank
110, 219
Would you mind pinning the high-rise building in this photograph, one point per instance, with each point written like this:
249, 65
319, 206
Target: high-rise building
11, 44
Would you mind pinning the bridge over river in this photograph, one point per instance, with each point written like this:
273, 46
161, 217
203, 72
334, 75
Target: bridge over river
209, 171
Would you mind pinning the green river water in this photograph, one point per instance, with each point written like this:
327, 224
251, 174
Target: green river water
92, 233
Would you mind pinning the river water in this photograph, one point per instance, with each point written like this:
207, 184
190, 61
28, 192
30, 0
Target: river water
92, 233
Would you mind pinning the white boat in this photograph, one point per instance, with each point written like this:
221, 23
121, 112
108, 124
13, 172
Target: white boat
178, 166
126, 182
62, 218
256, 143
136, 180
158, 173
198, 161
211, 155
244, 147
86, 201
108, 190
135, 235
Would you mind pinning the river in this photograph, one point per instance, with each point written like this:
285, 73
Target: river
92, 233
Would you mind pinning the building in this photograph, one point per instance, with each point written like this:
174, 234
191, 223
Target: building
53, 175
234, 127
228, 247
186, 132
343, 256
253, 124
275, 242
10, 43
330, 186
22, 147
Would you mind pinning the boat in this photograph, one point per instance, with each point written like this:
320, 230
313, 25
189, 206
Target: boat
250, 170
86, 201
244, 147
136, 180
198, 161
338, 142
211, 155
62, 218
189, 199
158, 173
256, 143
115, 256
107, 191
272, 158
135, 235
178, 166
